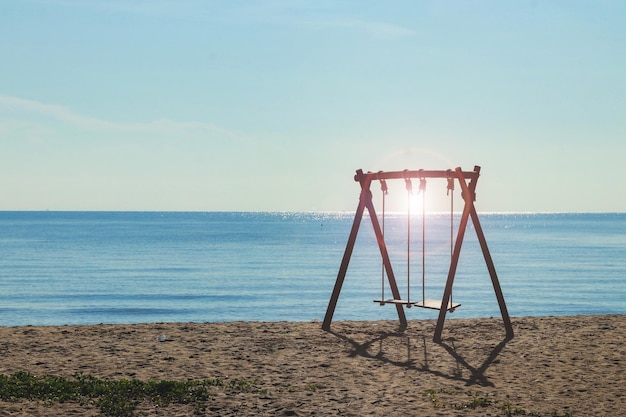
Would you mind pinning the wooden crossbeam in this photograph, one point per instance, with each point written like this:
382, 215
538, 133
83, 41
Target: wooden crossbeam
413, 173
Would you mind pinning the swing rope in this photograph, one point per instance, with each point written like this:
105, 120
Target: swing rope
409, 191
422, 190
384, 190
450, 192
432, 304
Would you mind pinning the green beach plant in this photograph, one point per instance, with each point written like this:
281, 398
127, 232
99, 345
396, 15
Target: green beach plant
116, 397
122, 397
476, 402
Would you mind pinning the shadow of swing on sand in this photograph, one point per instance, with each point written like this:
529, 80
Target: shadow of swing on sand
385, 353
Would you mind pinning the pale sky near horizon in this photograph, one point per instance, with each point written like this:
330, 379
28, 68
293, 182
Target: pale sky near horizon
272, 105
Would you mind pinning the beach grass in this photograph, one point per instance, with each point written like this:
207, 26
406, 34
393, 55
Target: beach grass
122, 397
117, 397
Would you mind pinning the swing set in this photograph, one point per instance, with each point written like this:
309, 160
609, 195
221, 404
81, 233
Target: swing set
446, 303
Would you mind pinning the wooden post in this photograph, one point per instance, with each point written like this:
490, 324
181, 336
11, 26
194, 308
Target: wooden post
468, 196
341, 275
393, 285
365, 201
492, 273
469, 193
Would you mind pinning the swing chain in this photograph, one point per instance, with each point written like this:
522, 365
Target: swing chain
383, 185
408, 183
422, 185
384, 189
450, 182
422, 188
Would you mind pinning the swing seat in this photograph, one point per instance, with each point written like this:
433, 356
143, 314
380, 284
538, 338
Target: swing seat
392, 301
430, 304
436, 305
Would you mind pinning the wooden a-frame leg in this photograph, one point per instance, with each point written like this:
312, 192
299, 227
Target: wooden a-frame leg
393, 285
447, 293
492, 273
347, 254
470, 210
365, 201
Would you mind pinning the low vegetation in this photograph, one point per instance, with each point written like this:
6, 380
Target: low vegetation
115, 397
479, 400
122, 397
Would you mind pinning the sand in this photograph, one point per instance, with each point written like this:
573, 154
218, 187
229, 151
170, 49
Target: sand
565, 366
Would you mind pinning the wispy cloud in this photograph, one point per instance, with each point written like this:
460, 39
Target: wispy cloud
278, 12
65, 115
317, 15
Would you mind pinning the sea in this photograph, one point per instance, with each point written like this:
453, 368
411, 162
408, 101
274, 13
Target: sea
62, 268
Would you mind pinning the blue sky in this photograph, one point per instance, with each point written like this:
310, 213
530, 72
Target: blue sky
272, 105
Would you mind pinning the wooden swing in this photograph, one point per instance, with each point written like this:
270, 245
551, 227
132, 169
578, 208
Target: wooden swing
425, 303
445, 304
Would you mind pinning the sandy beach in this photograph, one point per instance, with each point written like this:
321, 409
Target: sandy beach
563, 366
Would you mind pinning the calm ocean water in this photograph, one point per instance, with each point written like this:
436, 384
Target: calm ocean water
131, 267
